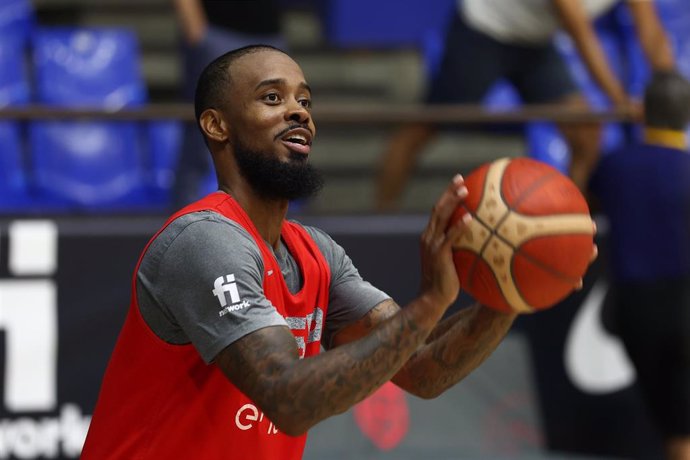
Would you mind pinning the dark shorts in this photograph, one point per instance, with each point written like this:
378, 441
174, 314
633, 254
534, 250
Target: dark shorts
653, 320
472, 62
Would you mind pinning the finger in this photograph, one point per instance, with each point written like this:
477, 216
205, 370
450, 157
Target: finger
456, 231
579, 285
595, 253
447, 203
594, 228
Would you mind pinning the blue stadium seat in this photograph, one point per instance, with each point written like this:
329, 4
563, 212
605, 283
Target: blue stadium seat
502, 96
94, 166
13, 187
383, 23
14, 82
164, 144
90, 165
14, 90
16, 19
88, 67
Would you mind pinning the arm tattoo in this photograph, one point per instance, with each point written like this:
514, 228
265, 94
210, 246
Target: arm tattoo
297, 393
455, 348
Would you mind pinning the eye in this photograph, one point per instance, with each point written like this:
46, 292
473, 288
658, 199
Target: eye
272, 98
306, 103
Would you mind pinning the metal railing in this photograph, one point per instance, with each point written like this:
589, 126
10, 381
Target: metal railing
351, 114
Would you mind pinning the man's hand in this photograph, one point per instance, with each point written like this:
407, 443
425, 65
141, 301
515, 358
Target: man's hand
439, 278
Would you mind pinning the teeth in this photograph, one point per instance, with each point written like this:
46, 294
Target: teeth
299, 139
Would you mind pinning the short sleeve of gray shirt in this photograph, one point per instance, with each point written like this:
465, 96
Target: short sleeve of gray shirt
201, 281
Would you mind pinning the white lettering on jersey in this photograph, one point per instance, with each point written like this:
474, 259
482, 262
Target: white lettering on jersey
224, 284
248, 414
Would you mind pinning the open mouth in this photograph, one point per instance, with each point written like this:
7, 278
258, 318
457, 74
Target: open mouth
298, 140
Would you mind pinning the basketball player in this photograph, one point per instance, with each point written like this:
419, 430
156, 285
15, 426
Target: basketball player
219, 355
644, 192
493, 39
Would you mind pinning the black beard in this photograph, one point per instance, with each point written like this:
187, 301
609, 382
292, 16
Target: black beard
273, 179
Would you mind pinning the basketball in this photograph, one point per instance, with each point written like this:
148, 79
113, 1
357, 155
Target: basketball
530, 239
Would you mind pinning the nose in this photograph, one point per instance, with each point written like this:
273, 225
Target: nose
298, 113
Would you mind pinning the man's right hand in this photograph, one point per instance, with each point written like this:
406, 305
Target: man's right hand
440, 283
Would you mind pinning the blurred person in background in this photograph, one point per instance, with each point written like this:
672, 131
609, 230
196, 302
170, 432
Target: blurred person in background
644, 191
493, 39
210, 28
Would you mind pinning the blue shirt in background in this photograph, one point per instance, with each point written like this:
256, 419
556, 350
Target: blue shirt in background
645, 192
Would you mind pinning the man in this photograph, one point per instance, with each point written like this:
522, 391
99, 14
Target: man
644, 192
219, 355
493, 39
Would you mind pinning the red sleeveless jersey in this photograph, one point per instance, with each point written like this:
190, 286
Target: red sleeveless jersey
161, 401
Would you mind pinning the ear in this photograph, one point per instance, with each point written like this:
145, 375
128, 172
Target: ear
214, 126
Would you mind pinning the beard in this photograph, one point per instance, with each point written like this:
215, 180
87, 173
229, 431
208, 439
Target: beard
274, 179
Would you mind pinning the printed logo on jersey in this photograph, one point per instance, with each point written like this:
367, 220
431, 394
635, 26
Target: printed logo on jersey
306, 329
223, 287
249, 416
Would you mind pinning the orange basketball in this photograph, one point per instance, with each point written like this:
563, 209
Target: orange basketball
530, 239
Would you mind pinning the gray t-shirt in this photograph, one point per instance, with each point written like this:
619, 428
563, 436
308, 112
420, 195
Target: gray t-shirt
524, 21
202, 259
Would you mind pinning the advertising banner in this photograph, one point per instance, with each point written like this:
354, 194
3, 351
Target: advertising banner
559, 384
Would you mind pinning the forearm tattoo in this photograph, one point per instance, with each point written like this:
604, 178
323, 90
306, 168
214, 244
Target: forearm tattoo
296, 393
455, 347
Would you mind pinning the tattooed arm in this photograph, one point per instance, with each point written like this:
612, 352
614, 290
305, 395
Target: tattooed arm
455, 347
298, 393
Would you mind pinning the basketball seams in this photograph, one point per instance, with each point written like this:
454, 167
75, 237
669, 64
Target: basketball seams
497, 237
546, 268
517, 251
498, 167
516, 229
500, 259
536, 185
508, 287
512, 211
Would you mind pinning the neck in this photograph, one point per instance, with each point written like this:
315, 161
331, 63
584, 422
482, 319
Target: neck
266, 215
666, 138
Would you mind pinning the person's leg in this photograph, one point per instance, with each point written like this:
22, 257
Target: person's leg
584, 140
678, 442
471, 63
658, 345
543, 77
399, 161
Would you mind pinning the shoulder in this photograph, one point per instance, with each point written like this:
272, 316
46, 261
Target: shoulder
199, 233
320, 237
336, 257
204, 223
331, 250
